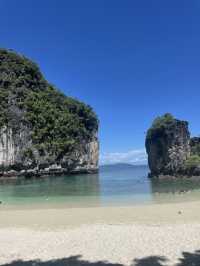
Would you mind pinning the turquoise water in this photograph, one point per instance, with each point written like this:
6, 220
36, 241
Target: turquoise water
116, 185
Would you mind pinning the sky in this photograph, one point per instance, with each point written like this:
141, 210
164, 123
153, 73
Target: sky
130, 60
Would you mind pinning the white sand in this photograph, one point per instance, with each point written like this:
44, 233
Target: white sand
116, 235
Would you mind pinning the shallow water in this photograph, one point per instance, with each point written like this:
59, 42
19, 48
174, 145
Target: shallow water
116, 185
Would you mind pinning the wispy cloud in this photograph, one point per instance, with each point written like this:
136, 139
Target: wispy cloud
132, 157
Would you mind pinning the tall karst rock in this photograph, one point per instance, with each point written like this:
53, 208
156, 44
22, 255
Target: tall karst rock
41, 129
168, 146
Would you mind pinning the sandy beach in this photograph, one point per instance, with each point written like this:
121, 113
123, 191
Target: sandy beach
158, 234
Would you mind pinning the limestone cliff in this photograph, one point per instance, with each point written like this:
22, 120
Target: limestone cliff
42, 131
168, 146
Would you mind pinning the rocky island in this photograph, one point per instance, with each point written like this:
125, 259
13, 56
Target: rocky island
170, 149
42, 131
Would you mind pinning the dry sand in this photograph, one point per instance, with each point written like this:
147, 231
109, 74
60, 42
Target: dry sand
105, 236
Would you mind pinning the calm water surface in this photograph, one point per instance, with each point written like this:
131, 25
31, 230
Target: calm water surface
116, 185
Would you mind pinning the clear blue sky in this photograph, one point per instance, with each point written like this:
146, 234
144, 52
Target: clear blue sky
130, 60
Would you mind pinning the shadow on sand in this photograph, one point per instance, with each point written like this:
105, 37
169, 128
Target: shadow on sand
187, 259
70, 261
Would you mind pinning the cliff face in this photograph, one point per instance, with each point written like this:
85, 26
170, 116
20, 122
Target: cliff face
83, 159
42, 131
7, 147
168, 146
195, 145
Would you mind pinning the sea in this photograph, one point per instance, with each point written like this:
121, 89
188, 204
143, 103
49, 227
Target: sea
114, 185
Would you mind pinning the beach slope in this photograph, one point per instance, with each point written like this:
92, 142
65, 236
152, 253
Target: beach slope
166, 234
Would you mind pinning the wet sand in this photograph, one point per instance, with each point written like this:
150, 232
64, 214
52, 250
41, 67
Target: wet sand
59, 218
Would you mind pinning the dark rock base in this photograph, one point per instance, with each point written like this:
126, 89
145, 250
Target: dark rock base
32, 173
174, 176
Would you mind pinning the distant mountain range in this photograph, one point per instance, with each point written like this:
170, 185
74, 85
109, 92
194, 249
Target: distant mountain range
121, 166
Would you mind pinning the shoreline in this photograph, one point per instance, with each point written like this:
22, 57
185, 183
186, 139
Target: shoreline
60, 218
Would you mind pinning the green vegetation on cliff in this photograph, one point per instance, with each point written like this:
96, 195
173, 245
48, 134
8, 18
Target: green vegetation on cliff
57, 123
192, 162
170, 149
161, 122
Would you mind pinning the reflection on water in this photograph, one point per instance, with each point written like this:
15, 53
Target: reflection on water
174, 186
72, 189
178, 189
118, 185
